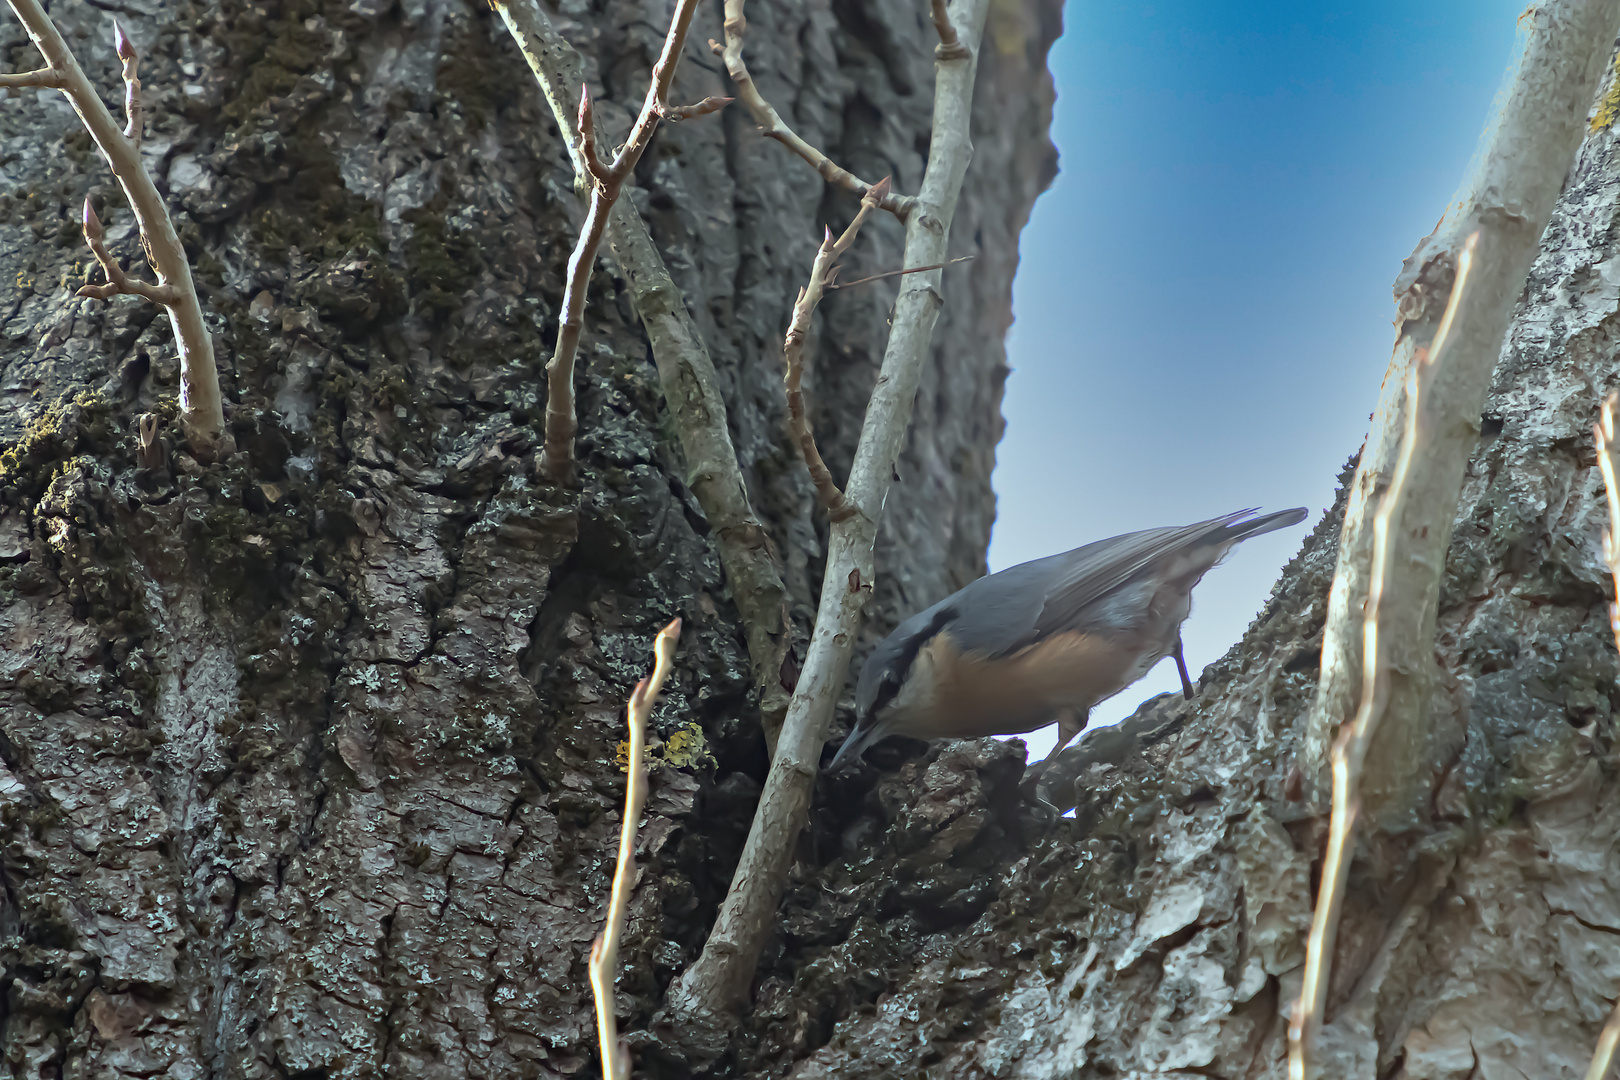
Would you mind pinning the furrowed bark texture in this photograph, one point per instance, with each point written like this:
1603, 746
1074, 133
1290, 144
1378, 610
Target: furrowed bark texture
308, 756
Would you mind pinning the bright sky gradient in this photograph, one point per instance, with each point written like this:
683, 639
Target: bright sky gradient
1203, 305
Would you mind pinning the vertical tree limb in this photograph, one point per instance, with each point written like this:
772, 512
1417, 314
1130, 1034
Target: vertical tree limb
604, 965
1519, 170
690, 384
717, 983
1350, 752
822, 272
202, 414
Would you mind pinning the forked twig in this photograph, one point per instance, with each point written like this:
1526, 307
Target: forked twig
691, 387
557, 457
202, 415
771, 124
1350, 750
605, 950
822, 271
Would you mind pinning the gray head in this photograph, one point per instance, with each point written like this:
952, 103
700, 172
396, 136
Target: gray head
880, 702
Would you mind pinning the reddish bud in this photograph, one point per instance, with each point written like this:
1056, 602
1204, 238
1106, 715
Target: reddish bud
125, 47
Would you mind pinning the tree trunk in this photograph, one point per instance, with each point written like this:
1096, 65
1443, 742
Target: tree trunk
309, 755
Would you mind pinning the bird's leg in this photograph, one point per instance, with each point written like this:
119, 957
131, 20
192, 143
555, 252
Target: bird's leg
1181, 666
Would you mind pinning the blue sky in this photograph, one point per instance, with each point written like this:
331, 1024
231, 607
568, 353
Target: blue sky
1203, 304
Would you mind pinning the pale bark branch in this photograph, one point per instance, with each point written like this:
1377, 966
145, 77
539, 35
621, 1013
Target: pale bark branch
202, 414
557, 455
771, 124
949, 48
717, 983
1350, 751
1508, 197
1603, 1057
690, 384
822, 271
604, 964
1603, 434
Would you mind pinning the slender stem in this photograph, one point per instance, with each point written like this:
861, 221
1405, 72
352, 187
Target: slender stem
604, 964
822, 271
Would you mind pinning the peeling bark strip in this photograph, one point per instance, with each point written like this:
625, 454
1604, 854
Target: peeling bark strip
557, 463
1522, 163
691, 387
202, 416
717, 983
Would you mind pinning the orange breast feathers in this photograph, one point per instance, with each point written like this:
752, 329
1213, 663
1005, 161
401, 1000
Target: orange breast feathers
974, 696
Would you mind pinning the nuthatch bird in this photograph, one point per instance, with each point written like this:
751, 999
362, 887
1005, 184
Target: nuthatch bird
1045, 640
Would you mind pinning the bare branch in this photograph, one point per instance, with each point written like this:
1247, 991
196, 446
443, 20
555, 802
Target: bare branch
557, 457
821, 271
1508, 197
691, 387
45, 78
771, 124
604, 965
202, 415
1350, 752
712, 988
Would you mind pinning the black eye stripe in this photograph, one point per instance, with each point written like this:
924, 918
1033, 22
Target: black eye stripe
892, 679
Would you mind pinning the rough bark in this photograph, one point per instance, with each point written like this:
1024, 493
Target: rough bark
308, 754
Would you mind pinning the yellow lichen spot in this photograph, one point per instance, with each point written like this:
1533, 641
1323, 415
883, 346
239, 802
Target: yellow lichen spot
687, 748
1608, 106
1007, 26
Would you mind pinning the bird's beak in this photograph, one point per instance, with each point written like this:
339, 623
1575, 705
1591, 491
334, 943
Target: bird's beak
865, 734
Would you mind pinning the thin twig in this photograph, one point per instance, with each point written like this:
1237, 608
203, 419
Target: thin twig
690, 385
710, 991
202, 415
1603, 432
604, 963
1603, 1057
821, 271
771, 124
1350, 751
832, 285
557, 457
